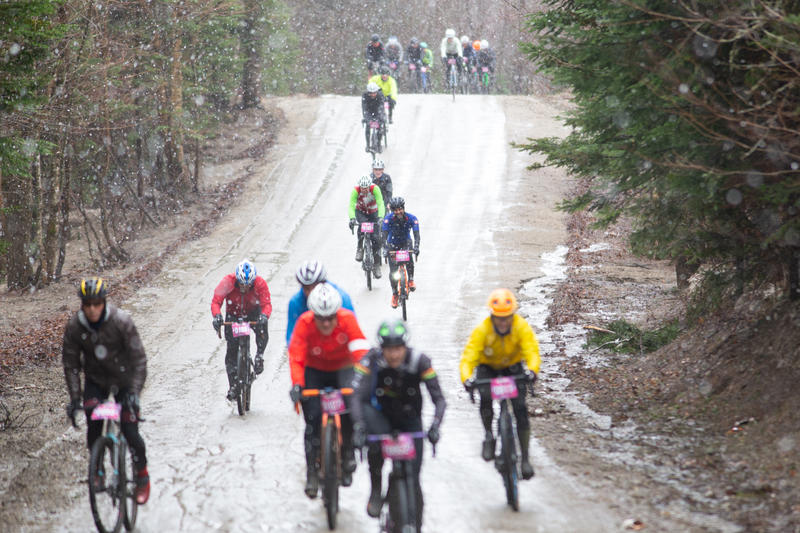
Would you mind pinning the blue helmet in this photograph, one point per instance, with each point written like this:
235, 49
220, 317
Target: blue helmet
245, 273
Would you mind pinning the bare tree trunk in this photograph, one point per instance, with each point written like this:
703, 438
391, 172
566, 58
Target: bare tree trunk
63, 206
19, 220
49, 217
251, 39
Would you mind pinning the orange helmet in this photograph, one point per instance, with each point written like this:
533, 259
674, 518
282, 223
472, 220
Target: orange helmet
476, 44
502, 302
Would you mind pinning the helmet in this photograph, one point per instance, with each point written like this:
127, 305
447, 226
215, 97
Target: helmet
372, 87
484, 43
393, 333
375, 38
364, 182
502, 302
464, 39
245, 273
324, 300
476, 44
414, 40
397, 203
378, 163
384, 70
92, 288
423, 44
450, 33
311, 272
393, 39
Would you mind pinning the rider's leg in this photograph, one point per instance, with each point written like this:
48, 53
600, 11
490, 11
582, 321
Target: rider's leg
375, 423
231, 353
523, 431
312, 413
487, 411
366, 137
360, 217
93, 395
391, 109
344, 378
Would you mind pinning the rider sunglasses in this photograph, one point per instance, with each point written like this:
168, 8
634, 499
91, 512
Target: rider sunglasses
325, 318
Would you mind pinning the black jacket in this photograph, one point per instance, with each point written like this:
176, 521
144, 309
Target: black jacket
372, 108
110, 355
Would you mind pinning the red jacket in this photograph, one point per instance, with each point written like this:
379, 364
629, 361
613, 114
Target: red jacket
238, 304
341, 349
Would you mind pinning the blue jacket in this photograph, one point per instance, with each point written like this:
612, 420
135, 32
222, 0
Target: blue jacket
298, 306
398, 231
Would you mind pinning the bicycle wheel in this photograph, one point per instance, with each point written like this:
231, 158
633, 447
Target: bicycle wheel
128, 484
104, 492
367, 262
402, 289
241, 375
330, 472
398, 507
509, 457
248, 387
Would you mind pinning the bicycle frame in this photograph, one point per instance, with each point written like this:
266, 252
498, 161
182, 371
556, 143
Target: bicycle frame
401, 276
244, 364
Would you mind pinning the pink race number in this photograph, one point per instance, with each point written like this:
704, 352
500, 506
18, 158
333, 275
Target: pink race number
240, 329
402, 449
333, 402
107, 411
503, 388
401, 256
367, 227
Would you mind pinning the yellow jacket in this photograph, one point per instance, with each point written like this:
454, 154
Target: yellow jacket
486, 347
388, 87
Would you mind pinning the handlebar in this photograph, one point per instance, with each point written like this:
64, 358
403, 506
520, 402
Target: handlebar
487, 381
306, 393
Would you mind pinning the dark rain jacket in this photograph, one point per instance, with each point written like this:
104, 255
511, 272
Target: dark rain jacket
111, 355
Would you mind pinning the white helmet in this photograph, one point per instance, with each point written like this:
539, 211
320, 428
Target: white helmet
372, 87
364, 182
450, 32
324, 300
484, 44
464, 39
311, 272
378, 163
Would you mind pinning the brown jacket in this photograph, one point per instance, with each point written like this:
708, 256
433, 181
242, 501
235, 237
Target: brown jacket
112, 355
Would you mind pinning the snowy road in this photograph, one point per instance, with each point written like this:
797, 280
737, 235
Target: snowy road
212, 470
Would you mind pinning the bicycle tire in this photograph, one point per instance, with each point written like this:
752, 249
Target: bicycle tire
330, 473
402, 290
398, 505
130, 507
367, 263
241, 376
508, 452
104, 497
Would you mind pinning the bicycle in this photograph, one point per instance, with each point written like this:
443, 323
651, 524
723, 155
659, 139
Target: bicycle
464, 80
401, 276
424, 79
414, 82
452, 75
401, 510
107, 473
503, 389
330, 466
376, 131
245, 374
366, 229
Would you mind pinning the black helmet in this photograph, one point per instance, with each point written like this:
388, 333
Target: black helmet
92, 288
397, 203
375, 38
385, 70
414, 40
393, 333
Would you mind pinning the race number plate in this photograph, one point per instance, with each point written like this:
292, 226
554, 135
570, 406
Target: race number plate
451, 61
402, 448
107, 411
240, 329
503, 388
401, 256
412, 66
333, 402
484, 69
367, 227
374, 124
424, 69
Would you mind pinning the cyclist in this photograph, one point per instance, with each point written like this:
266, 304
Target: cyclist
388, 86
326, 342
427, 55
397, 229
375, 53
309, 275
246, 295
498, 347
467, 53
394, 51
102, 340
450, 48
366, 205
486, 57
387, 397
382, 180
372, 109
414, 52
